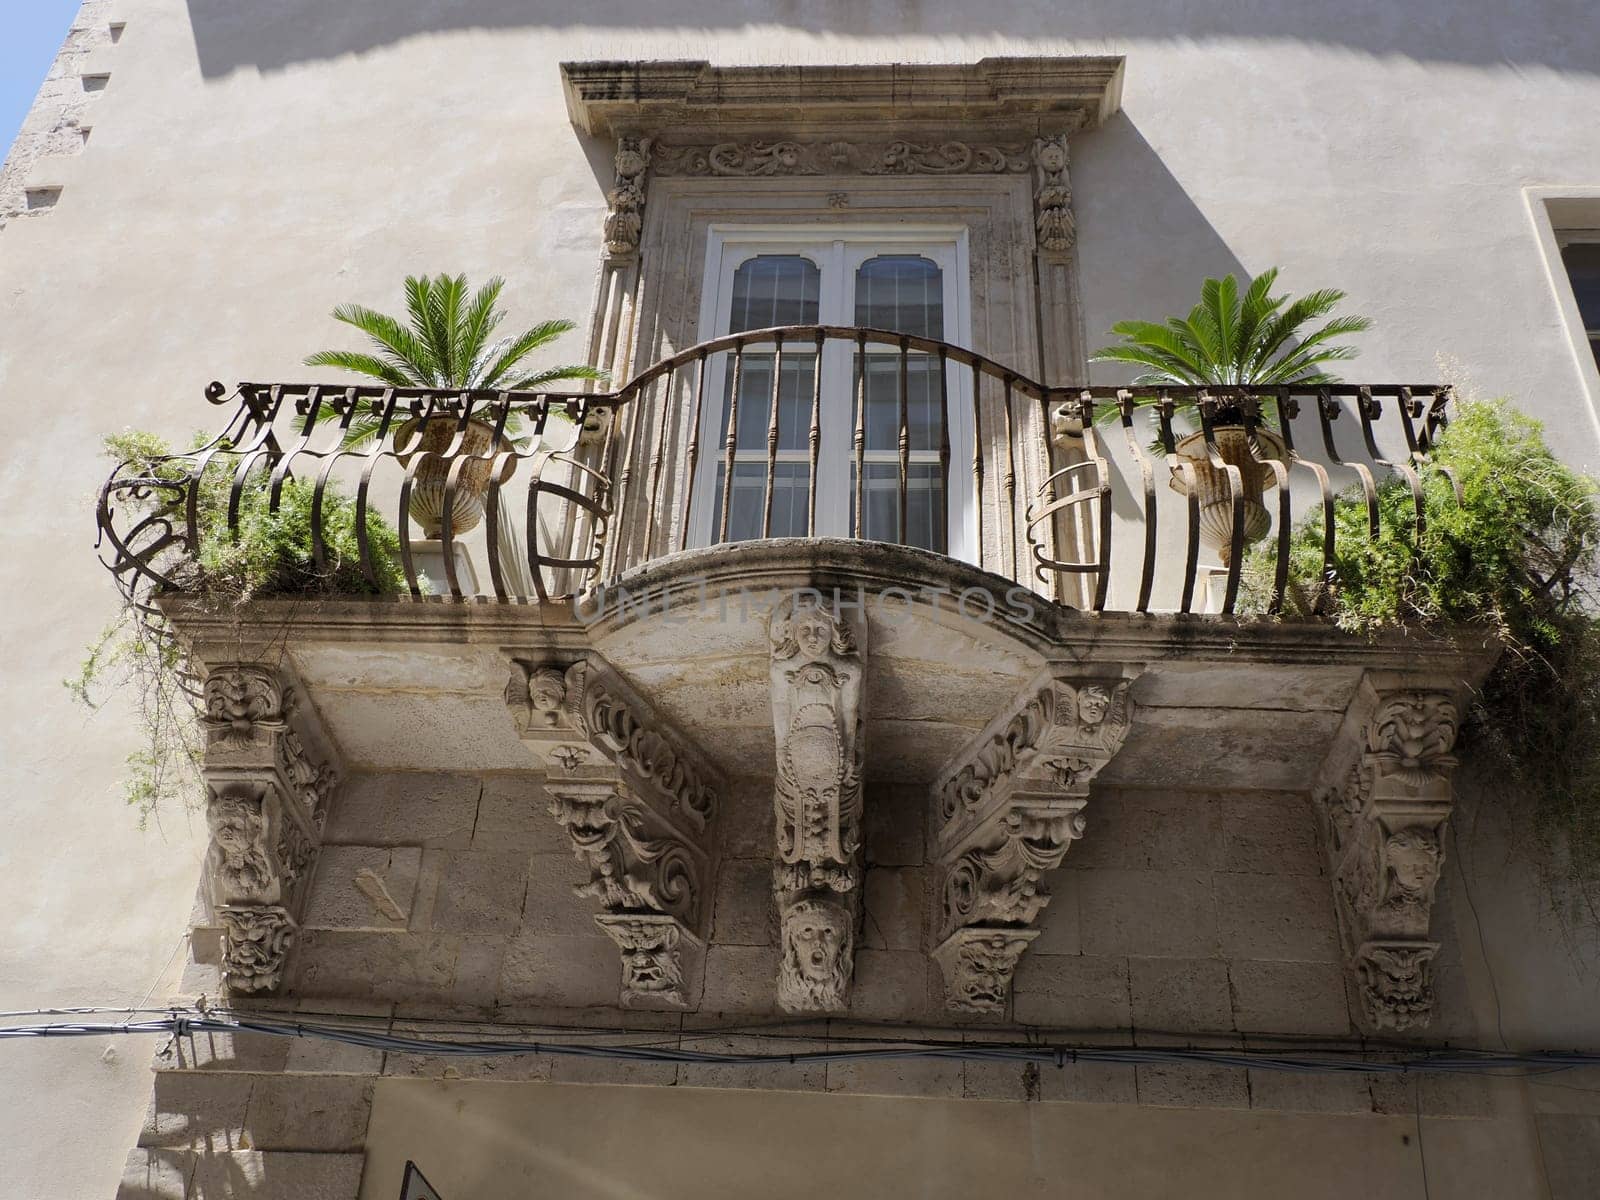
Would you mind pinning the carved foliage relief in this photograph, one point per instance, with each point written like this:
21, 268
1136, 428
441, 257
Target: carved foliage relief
817, 668
268, 798
1385, 834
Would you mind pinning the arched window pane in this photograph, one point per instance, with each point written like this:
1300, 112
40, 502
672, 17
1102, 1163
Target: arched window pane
775, 289
902, 292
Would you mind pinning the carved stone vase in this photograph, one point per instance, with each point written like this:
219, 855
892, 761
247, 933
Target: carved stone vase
1216, 500
428, 487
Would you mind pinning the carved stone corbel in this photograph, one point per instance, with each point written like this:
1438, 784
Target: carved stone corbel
1384, 826
625, 215
267, 801
638, 802
817, 671
1010, 806
1052, 196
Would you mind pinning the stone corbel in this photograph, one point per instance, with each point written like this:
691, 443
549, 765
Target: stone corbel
1384, 822
638, 802
625, 201
1052, 196
267, 801
1010, 806
817, 671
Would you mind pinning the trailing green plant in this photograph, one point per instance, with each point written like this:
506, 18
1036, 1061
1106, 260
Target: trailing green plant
1237, 339
137, 658
1518, 551
445, 343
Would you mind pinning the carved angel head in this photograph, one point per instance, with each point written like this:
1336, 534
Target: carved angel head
1050, 154
547, 692
817, 955
810, 629
1414, 861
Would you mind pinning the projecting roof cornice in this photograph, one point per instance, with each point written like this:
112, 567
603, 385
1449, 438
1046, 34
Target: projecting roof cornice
1035, 95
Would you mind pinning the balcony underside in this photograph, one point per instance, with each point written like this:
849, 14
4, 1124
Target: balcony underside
1220, 702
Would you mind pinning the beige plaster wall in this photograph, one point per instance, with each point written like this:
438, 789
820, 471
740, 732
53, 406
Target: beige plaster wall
253, 165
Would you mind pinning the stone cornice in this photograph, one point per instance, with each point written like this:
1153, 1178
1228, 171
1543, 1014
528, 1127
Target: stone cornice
1031, 95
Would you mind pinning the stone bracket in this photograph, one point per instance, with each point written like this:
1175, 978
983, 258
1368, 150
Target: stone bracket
818, 669
638, 801
1010, 804
269, 784
1383, 815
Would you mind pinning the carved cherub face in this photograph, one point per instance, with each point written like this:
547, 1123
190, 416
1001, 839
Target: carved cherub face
547, 691
1052, 156
1413, 857
812, 630
1094, 702
236, 827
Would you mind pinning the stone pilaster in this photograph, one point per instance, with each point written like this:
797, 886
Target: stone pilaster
638, 802
1010, 805
267, 799
1384, 820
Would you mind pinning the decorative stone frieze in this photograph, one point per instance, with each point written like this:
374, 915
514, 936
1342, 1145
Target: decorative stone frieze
817, 670
1010, 806
625, 218
637, 800
268, 797
836, 157
1384, 826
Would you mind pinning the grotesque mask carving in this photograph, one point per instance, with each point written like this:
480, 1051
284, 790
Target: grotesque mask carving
818, 954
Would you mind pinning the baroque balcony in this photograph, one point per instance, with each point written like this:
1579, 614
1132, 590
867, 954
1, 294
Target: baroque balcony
931, 574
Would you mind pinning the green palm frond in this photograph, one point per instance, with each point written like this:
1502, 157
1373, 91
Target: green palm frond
1238, 338
445, 342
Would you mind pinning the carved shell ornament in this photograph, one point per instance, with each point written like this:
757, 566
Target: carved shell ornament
241, 701
1413, 736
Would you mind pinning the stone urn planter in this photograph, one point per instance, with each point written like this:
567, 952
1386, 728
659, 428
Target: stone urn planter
1216, 501
427, 488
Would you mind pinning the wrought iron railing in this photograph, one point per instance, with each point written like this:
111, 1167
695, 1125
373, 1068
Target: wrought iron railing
558, 493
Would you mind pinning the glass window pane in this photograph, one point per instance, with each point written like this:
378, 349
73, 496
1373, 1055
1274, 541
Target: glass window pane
925, 504
775, 289
901, 292
791, 497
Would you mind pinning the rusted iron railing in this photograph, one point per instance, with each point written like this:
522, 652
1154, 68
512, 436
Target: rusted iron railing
1009, 474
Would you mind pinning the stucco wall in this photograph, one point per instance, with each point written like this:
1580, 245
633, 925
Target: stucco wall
253, 165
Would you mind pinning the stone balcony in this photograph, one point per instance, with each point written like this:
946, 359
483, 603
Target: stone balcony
720, 739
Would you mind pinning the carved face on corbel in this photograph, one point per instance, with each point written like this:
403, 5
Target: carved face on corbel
1094, 702
1043, 836
817, 955
984, 971
650, 965
547, 693
588, 819
1414, 860
239, 700
238, 853
1397, 984
811, 631
257, 942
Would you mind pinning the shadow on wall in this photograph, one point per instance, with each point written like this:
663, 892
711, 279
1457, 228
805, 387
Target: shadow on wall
1551, 33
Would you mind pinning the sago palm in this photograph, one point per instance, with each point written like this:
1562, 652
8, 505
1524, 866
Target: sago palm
1238, 340
445, 342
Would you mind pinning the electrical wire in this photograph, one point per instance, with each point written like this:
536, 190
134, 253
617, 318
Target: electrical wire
188, 1022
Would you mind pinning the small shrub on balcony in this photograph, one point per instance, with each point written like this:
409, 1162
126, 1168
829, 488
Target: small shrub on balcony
1519, 552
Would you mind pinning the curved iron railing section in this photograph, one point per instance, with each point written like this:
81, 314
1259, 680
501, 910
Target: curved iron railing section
612, 484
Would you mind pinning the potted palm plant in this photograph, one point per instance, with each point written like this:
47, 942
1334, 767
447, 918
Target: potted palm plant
445, 342
1236, 340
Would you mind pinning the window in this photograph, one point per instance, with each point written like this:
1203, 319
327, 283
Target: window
903, 280
1580, 254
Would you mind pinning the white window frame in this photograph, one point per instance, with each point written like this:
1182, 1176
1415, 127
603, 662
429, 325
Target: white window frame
838, 251
1582, 237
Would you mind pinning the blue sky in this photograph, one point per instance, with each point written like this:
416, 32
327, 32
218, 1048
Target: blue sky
31, 31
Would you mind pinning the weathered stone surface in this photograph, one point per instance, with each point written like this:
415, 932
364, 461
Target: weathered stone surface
203, 1110
1289, 997
480, 892
1180, 994
779, 1075
1169, 746
893, 1076
551, 906
576, 971
1060, 924
386, 966
890, 984
897, 825
1133, 829
398, 731
739, 979
1192, 1085
322, 1113
1088, 1083
744, 914
1270, 835
1276, 917
264, 1175
363, 887
896, 902
1570, 1145
1287, 1091
747, 819
1072, 991
1162, 914
404, 809
514, 814
156, 1175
